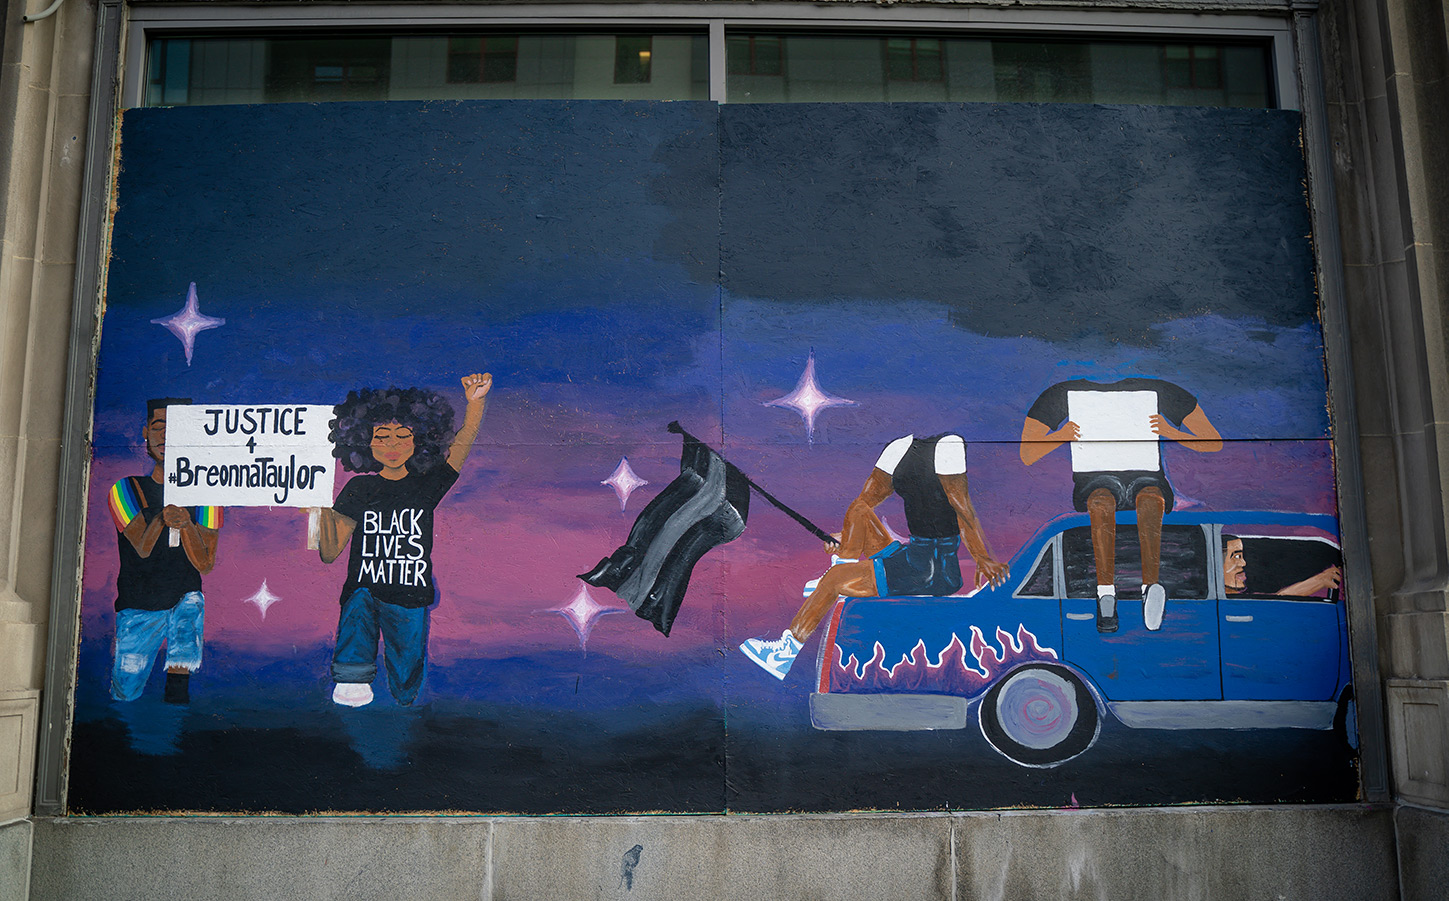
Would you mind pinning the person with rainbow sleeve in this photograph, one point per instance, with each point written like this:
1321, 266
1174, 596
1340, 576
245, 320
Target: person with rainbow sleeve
158, 588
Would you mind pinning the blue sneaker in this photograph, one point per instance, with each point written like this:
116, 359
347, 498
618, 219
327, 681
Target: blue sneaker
774, 657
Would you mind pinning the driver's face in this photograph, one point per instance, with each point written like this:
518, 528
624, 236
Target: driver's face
1235, 566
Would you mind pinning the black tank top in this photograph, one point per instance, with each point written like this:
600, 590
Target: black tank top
928, 513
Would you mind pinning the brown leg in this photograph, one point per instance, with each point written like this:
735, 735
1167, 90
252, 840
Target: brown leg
1150, 507
1102, 509
856, 580
862, 534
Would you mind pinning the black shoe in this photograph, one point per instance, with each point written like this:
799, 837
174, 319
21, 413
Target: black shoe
1107, 613
177, 688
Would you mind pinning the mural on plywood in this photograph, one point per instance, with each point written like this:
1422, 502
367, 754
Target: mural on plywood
977, 458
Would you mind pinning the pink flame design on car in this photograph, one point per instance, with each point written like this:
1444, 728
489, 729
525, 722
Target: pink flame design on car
952, 673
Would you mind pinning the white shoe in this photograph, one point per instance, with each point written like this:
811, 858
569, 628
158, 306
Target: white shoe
815, 583
774, 657
1154, 604
352, 694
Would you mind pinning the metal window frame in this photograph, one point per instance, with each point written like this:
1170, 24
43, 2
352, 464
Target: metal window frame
119, 81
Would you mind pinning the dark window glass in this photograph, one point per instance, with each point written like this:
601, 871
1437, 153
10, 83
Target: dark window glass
914, 59
308, 69
516, 66
1197, 67
755, 54
851, 67
1042, 582
1042, 73
633, 57
483, 60
1183, 570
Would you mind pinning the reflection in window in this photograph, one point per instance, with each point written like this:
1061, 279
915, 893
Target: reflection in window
1192, 67
517, 66
914, 59
1042, 582
773, 68
1184, 562
1042, 72
351, 69
754, 54
633, 55
488, 60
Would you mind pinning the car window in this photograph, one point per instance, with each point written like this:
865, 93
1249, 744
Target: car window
1273, 565
1183, 570
1042, 581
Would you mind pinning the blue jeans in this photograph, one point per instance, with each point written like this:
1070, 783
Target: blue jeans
404, 632
140, 634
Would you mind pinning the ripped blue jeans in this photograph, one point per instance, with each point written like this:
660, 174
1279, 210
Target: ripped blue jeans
140, 634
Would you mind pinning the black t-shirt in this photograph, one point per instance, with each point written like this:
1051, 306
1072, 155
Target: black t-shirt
392, 543
156, 582
928, 513
1174, 402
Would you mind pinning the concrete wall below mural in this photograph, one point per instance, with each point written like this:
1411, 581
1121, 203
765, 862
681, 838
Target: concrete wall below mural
1321, 853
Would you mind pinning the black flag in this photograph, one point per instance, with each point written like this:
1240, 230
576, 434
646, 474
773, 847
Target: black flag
705, 507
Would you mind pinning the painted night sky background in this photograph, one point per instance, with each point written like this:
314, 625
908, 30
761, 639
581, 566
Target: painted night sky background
617, 266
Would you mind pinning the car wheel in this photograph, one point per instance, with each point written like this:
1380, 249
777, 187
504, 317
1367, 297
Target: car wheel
1040, 715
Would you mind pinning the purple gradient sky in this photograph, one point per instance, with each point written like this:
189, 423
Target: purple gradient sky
588, 254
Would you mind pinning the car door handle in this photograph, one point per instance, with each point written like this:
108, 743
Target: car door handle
1081, 616
1239, 619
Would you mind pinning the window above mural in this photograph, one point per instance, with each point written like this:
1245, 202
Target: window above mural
760, 67
786, 68
199, 71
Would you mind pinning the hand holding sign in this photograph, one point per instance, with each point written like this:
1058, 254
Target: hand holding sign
249, 456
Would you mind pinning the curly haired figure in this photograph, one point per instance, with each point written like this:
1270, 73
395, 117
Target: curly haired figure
399, 434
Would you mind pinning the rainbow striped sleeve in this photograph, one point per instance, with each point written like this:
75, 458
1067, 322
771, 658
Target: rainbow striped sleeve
207, 517
125, 503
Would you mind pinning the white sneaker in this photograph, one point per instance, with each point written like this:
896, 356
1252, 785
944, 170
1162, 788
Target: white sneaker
815, 583
352, 694
774, 657
1154, 604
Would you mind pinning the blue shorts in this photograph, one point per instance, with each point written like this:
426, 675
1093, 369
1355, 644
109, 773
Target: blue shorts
140, 634
926, 566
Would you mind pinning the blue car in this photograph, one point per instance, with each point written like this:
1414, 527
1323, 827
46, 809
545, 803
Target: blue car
1028, 657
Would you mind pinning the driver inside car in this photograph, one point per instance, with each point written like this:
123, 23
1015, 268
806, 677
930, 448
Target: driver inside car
1235, 573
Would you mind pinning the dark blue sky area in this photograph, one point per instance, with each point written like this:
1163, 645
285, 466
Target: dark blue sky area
617, 265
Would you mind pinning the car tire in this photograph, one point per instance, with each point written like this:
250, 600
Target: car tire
1040, 715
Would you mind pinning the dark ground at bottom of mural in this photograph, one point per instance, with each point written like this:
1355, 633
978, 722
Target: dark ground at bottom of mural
277, 744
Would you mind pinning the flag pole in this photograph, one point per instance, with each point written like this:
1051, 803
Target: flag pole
818, 532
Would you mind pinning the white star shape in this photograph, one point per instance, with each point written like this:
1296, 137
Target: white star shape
263, 599
187, 322
624, 481
808, 399
583, 612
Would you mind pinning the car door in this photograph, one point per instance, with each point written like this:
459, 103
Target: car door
1179, 662
1276, 647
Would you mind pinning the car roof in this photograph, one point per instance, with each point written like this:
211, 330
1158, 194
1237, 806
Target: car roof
1323, 521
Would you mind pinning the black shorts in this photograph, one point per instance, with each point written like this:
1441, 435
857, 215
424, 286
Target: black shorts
1123, 485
